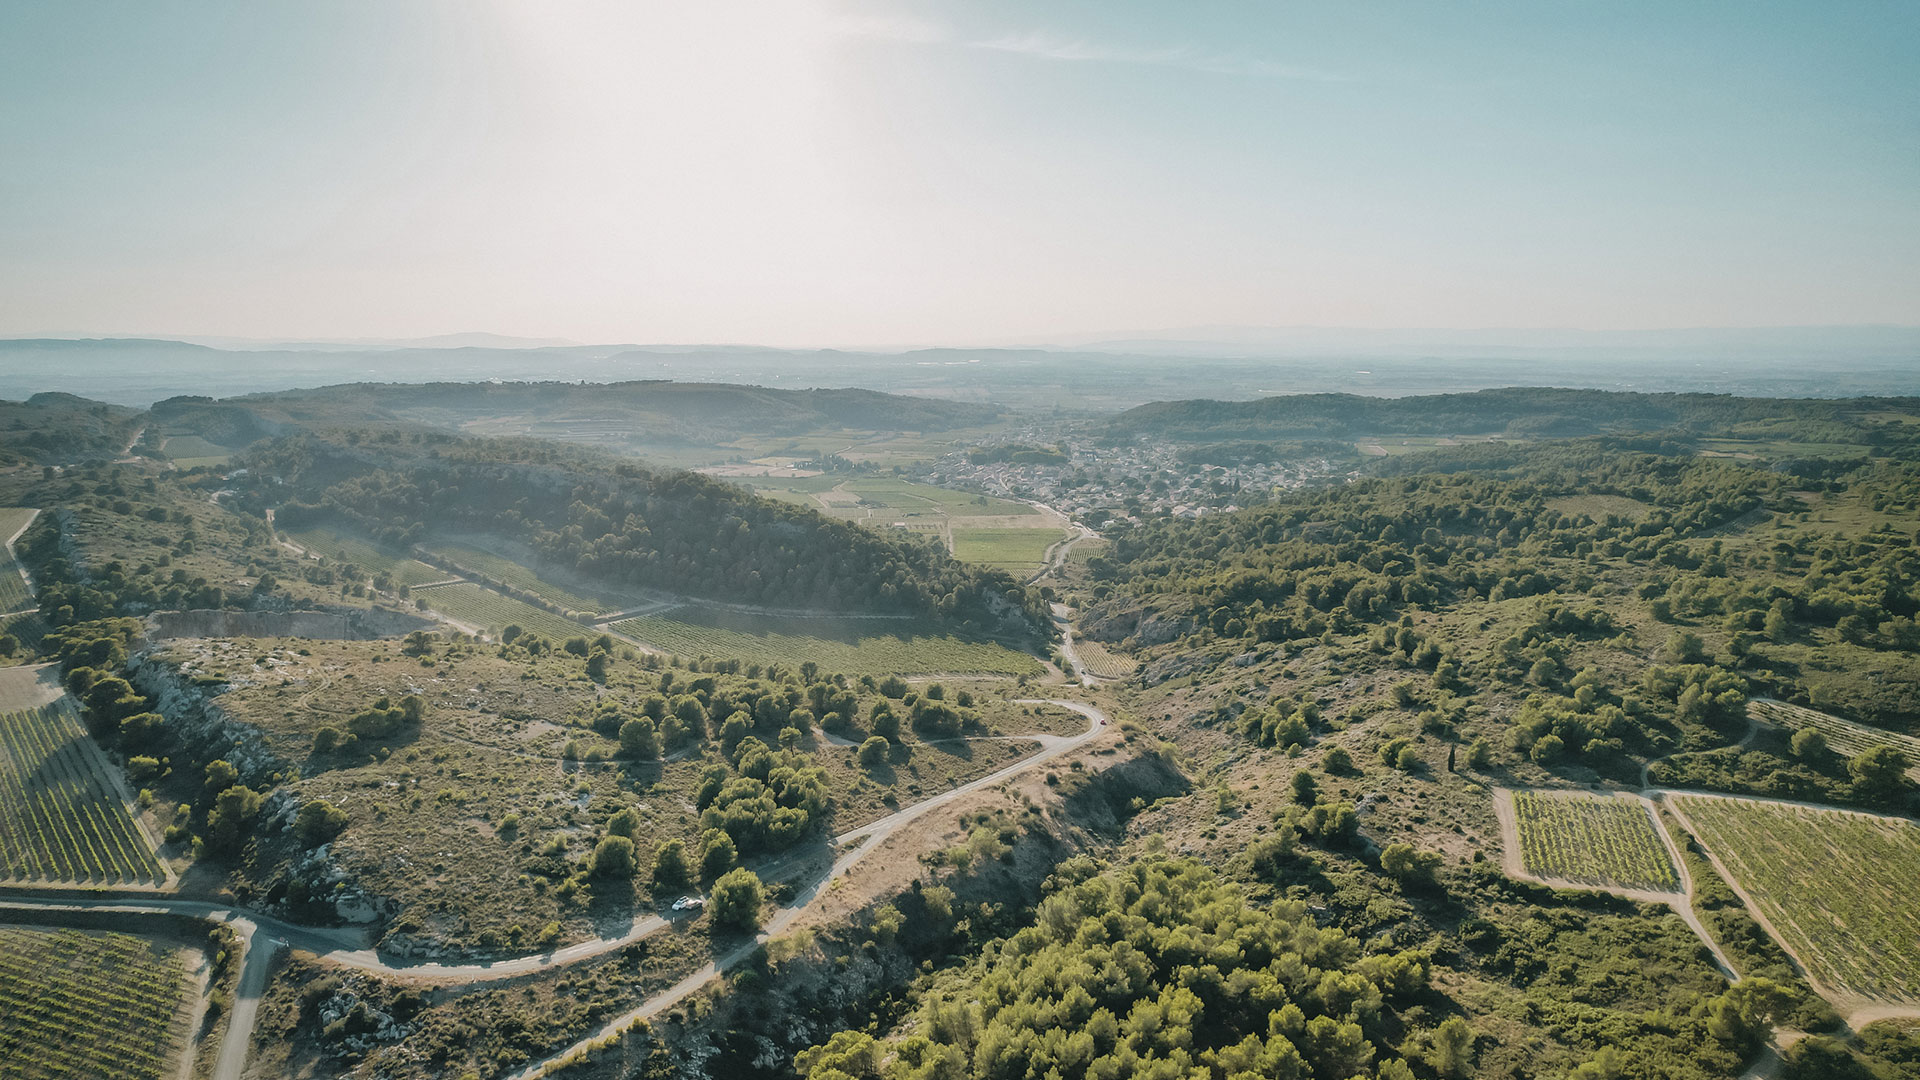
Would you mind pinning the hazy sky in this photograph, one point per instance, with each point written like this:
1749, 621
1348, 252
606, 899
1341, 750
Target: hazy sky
806, 172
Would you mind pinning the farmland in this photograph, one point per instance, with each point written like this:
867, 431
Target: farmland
1594, 840
1102, 662
62, 820
87, 1005
1837, 886
344, 548
189, 451
1017, 551
13, 587
850, 647
515, 576
492, 612
1843, 736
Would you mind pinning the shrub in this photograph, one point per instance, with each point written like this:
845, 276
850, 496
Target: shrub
873, 751
614, 857
318, 822
737, 897
670, 870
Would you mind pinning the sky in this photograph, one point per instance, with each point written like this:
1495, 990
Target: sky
819, 172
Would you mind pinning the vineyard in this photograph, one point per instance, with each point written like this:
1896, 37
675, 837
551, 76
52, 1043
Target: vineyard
515, 576
13, 586
1844, 736
60, 819
1839, 887
86, 1005
353, 551
1102, 662
1595, 840
492, 612
1017, 551
863, 653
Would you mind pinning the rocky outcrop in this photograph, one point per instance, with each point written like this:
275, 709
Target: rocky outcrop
353, 624
1132, 625
199, 724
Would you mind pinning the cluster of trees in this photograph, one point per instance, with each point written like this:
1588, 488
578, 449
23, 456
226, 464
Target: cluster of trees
377, 723
62, 428
1531, 411
1159, 969
770, 799
1363, 553
629, 526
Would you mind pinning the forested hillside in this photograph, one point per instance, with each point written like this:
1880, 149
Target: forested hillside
627, 525
702, 413
1530, 412
53, 429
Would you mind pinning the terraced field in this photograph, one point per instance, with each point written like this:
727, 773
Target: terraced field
60, 818
1595, 840
1838, 887
492, 612
72, 1004
873, 647
515, 576
1844, 736
344, 548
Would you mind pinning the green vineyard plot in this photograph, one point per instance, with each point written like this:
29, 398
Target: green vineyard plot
1594, 840
849, 647
102, 1006
1838, 887
343, 548
1844, 736
60, 819
13, 587
1017, 551
1102, 662
492, 612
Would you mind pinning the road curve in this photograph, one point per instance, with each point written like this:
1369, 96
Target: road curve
864, 840
265, 935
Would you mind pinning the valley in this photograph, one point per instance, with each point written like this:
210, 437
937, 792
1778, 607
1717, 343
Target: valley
510, 756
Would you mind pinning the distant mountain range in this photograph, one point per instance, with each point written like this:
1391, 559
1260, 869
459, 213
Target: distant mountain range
1084, 374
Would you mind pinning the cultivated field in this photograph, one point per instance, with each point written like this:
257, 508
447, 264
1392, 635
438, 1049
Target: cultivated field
344, 548
848, 647
1017, 551
189, 451
1838, 887
1102, 662
1844, 736
492, 612
105, 1006
13, 586
1594, 840
515, 576
60, 818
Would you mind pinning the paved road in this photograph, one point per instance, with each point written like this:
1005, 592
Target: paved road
864, 840
266, 935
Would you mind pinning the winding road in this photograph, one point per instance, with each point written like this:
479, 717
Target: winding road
265, 935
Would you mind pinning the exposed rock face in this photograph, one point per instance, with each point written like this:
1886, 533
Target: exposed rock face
200, 725
1136, 626
323, 877
1172, 667
344, 625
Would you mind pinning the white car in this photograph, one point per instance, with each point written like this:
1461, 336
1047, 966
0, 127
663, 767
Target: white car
689, 903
